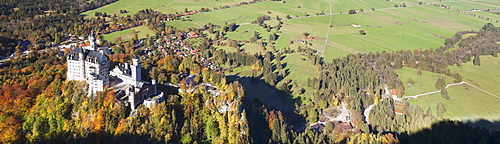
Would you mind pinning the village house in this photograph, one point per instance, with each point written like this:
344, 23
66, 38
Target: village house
192, 34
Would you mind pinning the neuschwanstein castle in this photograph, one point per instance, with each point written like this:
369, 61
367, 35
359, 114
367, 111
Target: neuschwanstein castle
89, 62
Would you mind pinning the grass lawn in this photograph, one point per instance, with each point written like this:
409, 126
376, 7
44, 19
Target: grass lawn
128, 33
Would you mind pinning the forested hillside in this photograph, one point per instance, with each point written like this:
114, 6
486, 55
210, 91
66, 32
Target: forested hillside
40, 106
40, 22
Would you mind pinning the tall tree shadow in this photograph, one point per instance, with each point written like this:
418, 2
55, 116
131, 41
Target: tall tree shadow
262, 98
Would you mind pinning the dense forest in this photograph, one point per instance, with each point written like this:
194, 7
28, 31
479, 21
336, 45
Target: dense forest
40, 106
40, 22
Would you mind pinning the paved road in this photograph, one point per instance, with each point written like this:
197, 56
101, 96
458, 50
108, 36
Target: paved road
327, 29
419, 95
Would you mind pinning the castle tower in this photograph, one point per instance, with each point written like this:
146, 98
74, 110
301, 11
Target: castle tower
153, 82
91, 39
136, 70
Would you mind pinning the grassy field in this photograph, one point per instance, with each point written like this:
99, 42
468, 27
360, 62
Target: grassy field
242, 71
485, 76
164, 6
249, 13
181, 25
128, 33
468, 5
422, 84
467, 103
487, 14
300, 70
403, 28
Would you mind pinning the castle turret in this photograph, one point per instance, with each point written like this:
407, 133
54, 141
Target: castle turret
136, 69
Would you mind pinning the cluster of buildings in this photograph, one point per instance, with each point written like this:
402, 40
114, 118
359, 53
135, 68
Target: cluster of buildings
182, 49
90, 63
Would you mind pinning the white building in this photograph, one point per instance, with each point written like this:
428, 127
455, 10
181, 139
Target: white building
89, 63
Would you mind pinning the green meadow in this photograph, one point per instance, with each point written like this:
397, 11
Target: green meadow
249, 13
129, 33
403, 28
485, 76
422, 84
468, 5
466, 102
400, 28
181, 25
164, 6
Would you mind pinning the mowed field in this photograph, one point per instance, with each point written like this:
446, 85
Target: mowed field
249, 13
413, 27
164, 6
468, 5
467, 103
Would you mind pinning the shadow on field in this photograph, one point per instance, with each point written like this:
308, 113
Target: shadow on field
453, 132
257, 89
486, 124
261, 99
